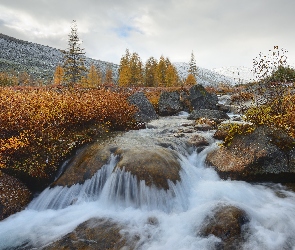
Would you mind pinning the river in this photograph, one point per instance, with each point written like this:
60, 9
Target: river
179, 212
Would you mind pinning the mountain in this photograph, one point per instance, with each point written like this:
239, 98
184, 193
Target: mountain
38, 60
204, 76
239, 74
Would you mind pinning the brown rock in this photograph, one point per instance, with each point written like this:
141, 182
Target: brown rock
95, 234
85, 164
198, 141
264, 155
228, 224
154, 165
14, 195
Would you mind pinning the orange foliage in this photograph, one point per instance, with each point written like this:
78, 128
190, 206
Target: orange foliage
40, 126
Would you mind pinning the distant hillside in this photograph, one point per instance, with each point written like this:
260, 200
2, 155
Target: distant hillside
239, 74
36, 59
204, 76
40, 62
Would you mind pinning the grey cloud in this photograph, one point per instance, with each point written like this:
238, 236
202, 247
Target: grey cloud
221, 33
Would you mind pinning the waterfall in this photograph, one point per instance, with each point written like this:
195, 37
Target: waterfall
115, 187
115, 194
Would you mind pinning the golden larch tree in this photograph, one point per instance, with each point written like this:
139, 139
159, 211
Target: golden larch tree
58, 75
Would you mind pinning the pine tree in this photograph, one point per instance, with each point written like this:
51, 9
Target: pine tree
192, 66
150, 72
74, 58
58, 75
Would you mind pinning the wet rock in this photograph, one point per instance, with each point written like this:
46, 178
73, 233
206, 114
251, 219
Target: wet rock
225, 99
264, 155
85, 164
95, 234
224, 108
215, 115
227, 223
222, 131
170, 103
146, 111
201, 99
14, 195
198, 141
153, 165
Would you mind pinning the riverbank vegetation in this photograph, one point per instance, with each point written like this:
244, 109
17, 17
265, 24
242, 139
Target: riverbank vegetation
40, 127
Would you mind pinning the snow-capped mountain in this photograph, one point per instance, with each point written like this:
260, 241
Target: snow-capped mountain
239, 74
38, 60
204, 76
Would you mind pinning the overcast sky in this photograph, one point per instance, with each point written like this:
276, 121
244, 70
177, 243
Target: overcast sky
219, 32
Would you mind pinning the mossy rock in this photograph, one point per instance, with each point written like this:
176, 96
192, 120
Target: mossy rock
14, 195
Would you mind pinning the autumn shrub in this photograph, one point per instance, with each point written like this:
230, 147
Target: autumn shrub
234, 129
40, 127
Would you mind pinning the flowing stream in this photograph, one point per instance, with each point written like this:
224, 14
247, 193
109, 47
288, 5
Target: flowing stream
180, 211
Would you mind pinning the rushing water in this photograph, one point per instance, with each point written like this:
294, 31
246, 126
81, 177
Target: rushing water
180, 210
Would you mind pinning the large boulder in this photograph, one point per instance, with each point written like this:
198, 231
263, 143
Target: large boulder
155, 165
263, 155
227, 223
14, 195
215, 115
170, 103
201, 99
95, 234
146, 111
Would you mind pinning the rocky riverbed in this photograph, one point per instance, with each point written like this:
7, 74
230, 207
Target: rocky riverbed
151, 189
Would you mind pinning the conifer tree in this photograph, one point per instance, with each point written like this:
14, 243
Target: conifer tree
161, 72
150, 72
74, 58
192, 66
93, 77
58, 75
136, 70
125, 70
190, 80
171, 77
109, 76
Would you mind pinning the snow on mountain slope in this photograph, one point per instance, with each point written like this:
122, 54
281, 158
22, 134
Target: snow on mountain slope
38, 60
204, 76
239, 74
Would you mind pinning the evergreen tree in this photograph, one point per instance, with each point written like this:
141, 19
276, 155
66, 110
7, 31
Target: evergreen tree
192, 66
74, 58
150, 72
58, 75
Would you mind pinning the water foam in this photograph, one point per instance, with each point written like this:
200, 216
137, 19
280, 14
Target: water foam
180, 211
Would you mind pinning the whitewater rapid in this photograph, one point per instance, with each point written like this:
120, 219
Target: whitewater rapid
180, 211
